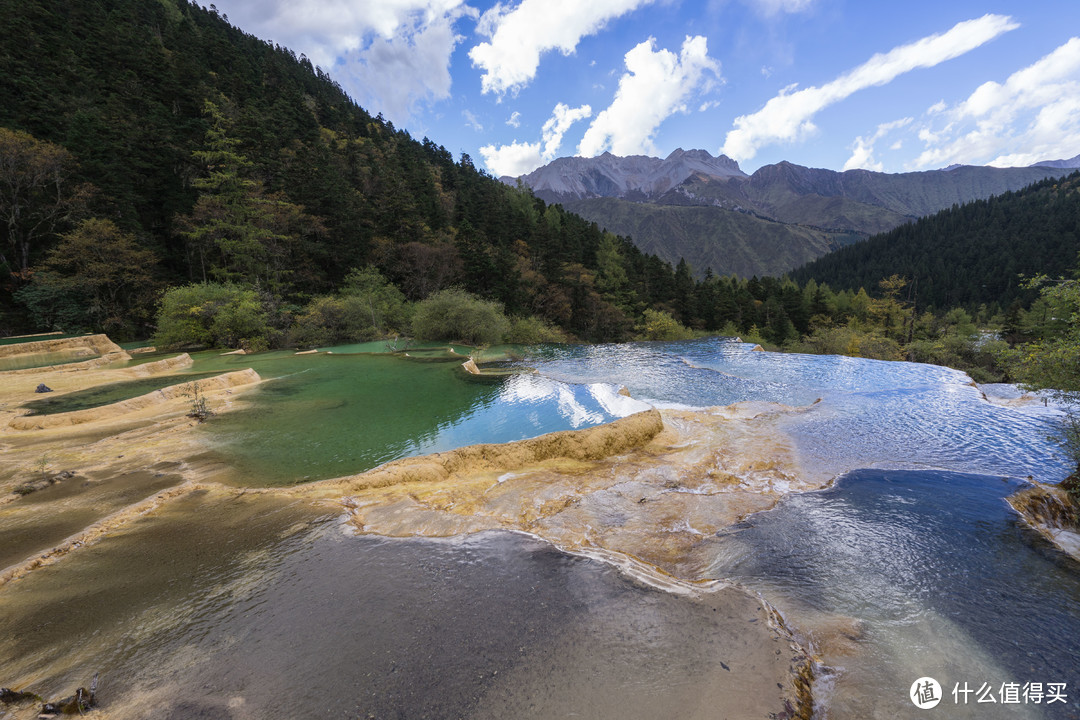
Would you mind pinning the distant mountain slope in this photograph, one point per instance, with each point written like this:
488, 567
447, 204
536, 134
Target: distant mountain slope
709, 237
634, 177
1070, 163
820, 203
971, 254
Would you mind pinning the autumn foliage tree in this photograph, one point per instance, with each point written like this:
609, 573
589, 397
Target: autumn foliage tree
103, 272
37, 195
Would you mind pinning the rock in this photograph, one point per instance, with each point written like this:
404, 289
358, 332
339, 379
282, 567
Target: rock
757, 348
1071, 484
624, 391
43, 388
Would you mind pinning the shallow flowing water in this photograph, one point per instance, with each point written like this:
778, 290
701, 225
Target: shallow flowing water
282, 613
937, 577
872, 413
911, 565
925, 571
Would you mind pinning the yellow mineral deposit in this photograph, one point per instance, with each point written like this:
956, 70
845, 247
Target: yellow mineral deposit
647, 493
1052, 513
654, 486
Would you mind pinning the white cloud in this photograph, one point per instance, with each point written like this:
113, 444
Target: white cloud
557, 125
657, 85
472, 121
515, 120
775, 7
1034, 115
515, 159
862, 151
519, 36
389, 54
788, 116
519, 158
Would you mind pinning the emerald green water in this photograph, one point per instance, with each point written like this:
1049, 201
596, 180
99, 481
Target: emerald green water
26, 361
328, 415
104, 394
34, 338
374, 346
135, 344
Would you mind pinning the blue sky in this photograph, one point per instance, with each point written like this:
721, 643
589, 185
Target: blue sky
886, 86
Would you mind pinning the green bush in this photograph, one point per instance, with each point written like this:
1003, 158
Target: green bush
377, 301
331, 320
850, 340
533, 331
659, 325
456, 315
367, 308
212, 315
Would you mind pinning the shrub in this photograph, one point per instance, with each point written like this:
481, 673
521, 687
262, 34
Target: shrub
659, 325
327, 320
850, 340
454, 314
533, 331
368, 308
212, 314
377, 305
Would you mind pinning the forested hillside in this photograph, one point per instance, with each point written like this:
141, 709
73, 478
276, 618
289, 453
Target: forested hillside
163, 173
705, 210
169, 147
725, 241
971, 254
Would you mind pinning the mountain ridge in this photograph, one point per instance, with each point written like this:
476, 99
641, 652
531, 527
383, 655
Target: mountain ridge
850, 203
610, 175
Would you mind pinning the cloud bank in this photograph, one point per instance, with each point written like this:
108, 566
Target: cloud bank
862, 152
1034, 115
657, 84
390, 54
519, 36
518, 159
788, 116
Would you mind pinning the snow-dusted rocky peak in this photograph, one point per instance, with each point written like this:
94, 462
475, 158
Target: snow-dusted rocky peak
1061, 164
636, 176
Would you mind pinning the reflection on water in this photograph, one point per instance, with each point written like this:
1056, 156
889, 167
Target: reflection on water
892, 575
873, 413
327, 416
936, 569
245, 607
